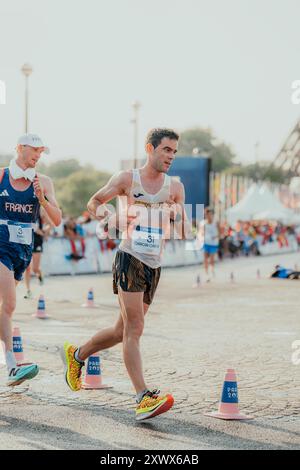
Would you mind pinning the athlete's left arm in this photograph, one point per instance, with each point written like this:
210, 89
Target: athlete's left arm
182, 223
44, 191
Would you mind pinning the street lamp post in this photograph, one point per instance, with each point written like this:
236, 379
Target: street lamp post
256, 152
136, 106
26, 70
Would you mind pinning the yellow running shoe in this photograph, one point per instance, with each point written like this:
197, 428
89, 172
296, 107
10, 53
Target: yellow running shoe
152, 405
72, 367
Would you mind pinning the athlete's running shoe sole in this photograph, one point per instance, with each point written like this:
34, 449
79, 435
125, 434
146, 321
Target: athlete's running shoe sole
28, 373
162, 407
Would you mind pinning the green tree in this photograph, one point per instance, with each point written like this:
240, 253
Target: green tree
208, 145
5, 159
63, 168
74, 191
260, 171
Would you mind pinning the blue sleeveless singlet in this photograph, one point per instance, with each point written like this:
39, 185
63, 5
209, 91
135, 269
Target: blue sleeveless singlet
18, 211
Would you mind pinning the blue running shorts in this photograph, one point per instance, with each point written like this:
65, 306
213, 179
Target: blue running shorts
16, 258
210, 249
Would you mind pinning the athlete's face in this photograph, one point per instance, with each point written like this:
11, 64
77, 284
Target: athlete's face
209, 216
162, 156
30, 155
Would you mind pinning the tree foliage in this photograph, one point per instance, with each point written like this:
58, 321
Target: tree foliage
208, 146
63, 168
260, 171
5, 159
74, 191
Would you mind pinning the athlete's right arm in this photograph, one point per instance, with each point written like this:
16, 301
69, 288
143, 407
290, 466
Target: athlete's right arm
1, 174
117, 186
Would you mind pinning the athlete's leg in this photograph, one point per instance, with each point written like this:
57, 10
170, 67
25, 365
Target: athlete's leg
8, 305
133, 317
106, 338
206, 257
206, 265
212, 264
27, 277
16, 374
36, 262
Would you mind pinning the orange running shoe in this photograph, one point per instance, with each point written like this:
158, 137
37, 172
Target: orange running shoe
153, 405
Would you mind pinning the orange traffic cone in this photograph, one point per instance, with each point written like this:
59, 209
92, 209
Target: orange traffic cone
228, 407
93, 376
198, 282
41, 309
258, 274
18, 346
90, 300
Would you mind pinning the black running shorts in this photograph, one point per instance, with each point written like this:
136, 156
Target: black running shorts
37, 243
134, 276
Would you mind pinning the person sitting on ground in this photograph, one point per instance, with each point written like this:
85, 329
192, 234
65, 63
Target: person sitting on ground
285, 273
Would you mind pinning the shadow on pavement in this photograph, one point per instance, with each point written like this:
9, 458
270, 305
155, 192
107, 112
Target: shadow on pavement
36, 434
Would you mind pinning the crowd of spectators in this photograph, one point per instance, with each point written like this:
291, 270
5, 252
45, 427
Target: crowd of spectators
77, 230
247, 237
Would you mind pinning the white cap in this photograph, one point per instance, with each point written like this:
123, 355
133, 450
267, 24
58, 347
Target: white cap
33, 140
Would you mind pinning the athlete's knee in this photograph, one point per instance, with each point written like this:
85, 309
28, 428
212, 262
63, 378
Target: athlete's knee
134, 327
8, 306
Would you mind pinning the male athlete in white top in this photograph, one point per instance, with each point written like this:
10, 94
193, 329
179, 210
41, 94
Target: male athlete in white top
152, 199
210, 231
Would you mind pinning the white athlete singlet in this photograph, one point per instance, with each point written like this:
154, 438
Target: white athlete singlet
145, 241
211, 234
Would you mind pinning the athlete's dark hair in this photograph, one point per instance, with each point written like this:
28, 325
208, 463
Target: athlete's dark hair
156, 135
209, 210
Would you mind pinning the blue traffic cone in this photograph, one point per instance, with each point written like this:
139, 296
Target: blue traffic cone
18, 345
228, 407
93, 375
198, 281
41, 309
90, 300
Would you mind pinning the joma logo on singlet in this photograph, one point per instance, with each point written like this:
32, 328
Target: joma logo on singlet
21, 208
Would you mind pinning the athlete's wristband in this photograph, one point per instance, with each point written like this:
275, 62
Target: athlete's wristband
43, 203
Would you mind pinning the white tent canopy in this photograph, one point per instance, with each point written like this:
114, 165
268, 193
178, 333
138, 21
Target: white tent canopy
259, 204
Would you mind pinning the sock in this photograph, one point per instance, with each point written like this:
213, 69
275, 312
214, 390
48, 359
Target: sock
76, 357
11, 362
139, 396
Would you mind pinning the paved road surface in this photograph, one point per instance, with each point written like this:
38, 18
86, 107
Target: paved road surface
191, 337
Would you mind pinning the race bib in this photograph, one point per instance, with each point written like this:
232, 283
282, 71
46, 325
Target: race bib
20, 234
147, 240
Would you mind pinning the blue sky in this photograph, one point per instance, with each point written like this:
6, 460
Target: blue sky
227, 64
